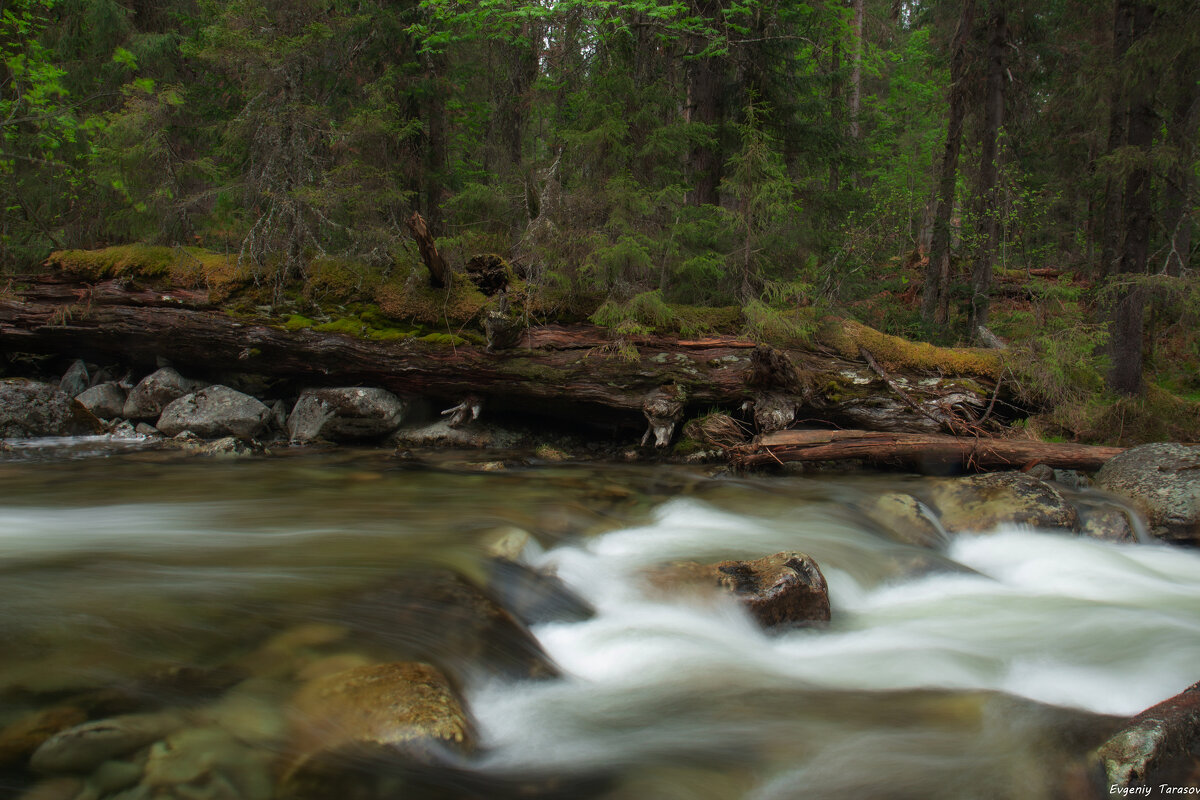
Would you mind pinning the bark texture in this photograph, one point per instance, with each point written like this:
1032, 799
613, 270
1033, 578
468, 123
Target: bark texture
565, 371
920, 450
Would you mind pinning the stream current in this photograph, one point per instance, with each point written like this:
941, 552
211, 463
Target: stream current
985, 668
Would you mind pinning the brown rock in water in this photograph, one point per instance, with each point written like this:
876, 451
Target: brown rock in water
358, 729
783, 590
981, 503
1160, 745
85, 747
21, 738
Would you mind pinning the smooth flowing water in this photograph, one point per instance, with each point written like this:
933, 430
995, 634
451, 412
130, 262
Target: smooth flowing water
982, 670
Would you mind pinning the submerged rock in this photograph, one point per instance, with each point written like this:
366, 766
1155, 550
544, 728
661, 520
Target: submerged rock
438, 616
215, 412
1163, 482
366, 727
29, 409
207, 763
85, 747
154, 392
534, 596
105, 400
981, 503
21, 738
905, 519
1160, 745
783, 590
345, 414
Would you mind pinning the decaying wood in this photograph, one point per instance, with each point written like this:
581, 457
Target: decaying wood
439, 271
570, 372
918, 450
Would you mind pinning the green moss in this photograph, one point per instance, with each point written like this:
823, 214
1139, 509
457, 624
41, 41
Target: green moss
443, 339
847, 337
389, 334
458, 305
348, 325
339, 281
297, 322
169, 267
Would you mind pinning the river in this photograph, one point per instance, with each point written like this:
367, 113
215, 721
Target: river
983, 669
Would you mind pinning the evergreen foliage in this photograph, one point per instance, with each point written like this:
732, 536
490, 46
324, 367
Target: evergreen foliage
630, 158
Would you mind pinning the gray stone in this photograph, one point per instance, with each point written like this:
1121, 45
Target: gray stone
87, 746
105, 400
1162, 481
75, 379
215, 412
29, 408
146, 429
345, 414
155, 391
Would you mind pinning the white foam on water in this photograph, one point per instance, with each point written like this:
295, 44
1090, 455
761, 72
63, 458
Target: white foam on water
1061, 620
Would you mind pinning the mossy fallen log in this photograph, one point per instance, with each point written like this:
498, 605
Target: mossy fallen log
570, 371
918, 450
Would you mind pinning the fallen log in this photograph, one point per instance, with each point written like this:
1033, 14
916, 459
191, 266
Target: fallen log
917, 450
568, 371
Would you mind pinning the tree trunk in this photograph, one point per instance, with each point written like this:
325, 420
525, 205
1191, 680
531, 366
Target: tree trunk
1125, 341
435, 154
705, 107
561, 371
856, 58
918, 450
1110, 243
987, 211
935, 299
1182, 126
439, 271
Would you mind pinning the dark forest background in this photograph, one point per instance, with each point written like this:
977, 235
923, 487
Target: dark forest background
942, 170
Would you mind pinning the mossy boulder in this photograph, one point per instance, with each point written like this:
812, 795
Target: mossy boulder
1162, 481
982, 503
1157, 746
905, 519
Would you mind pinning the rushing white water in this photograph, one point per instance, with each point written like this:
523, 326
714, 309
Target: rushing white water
1065, 621
979, 671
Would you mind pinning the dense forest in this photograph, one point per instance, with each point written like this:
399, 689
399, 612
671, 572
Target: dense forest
958, 171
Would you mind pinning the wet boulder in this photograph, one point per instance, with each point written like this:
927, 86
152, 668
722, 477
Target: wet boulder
87, 746
75, 379
29, 408
1160, 745
1162, 481
780, 591
1107, 522
345, 414
105, 400
154, 392
215, 412
368, 726
981, 503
